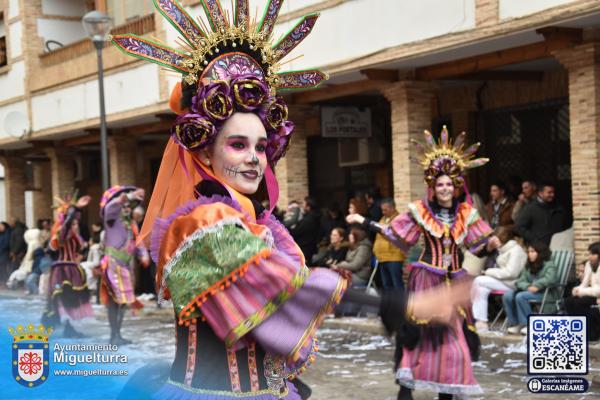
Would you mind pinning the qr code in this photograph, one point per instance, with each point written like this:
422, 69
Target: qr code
557, 344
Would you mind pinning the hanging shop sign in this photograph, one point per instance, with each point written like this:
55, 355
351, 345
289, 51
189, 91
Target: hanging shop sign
345, 122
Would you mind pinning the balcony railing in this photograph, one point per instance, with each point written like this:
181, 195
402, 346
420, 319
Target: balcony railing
139, 26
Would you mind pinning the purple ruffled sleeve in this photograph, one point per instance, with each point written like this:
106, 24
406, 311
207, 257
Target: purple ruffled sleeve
403, 232
478, 234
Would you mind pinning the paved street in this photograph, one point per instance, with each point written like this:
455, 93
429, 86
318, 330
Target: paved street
353, 364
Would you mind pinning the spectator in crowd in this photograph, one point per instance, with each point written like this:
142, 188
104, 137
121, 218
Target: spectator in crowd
509, 264
306, 231
4, 251
374, 204
587, 294
336, 250
41, 264
137, 215
32, 238
528, 193
541, 218
539, 273
18, 247
97, 233
579, 272
358, 205
94, 257
332, 218
389, 257
44, 225
292, 214
499, 209
144, 267
358, 257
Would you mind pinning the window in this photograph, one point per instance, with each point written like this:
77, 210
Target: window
123, 11
3, 54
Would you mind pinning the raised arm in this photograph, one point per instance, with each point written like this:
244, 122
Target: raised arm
403, 232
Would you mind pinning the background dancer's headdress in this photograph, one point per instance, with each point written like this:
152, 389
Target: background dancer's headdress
113, 192
63, 204
443, 157
228, 66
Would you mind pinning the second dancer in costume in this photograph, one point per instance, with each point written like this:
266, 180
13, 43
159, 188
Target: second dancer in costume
68, 296
434, 358
117, 286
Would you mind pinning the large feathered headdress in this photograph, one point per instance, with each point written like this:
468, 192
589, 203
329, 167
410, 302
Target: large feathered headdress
446, 158
226, 66
232, 65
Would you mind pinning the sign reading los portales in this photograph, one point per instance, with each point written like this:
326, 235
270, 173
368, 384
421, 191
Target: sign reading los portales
345, 122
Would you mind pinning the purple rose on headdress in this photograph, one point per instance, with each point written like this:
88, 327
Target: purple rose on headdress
274, 113
249, 92
193, 131
213, 100
279, 141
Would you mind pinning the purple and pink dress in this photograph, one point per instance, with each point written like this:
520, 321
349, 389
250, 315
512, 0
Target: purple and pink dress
441, 359
68, 292
247, 307
120, 250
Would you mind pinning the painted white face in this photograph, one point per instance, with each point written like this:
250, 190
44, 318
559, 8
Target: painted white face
444, 190
238, 156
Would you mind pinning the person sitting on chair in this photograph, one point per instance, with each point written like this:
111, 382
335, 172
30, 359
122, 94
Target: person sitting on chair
358, 257
587, 294
540, 273
510, 262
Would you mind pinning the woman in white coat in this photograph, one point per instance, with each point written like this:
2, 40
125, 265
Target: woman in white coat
510, 262
33, 239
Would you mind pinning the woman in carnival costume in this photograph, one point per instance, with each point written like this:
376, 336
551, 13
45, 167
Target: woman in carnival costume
68, 295
121, 232
246, 305
432, 357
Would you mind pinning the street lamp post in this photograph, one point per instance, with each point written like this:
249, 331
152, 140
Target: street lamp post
97, 26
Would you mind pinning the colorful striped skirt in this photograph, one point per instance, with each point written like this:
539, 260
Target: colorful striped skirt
444, 367
70, 296
117, 282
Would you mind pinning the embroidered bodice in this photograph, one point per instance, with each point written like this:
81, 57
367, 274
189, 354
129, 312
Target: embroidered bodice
444, 231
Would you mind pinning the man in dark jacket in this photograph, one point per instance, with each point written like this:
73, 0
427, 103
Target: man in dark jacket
541, 218
307, 230
18, 247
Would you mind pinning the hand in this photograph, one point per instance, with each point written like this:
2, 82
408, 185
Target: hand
83, 201
138, 195
532, 289
493, 243
440, 304
598, 301
575, 291
355, 219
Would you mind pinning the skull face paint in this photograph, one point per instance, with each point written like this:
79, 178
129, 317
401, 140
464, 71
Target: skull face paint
238, 155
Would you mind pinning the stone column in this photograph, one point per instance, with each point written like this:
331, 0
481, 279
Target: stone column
411, 114
62, 166
292, 170
42, 190
583, 66
122, 159
15, 183
486, 12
